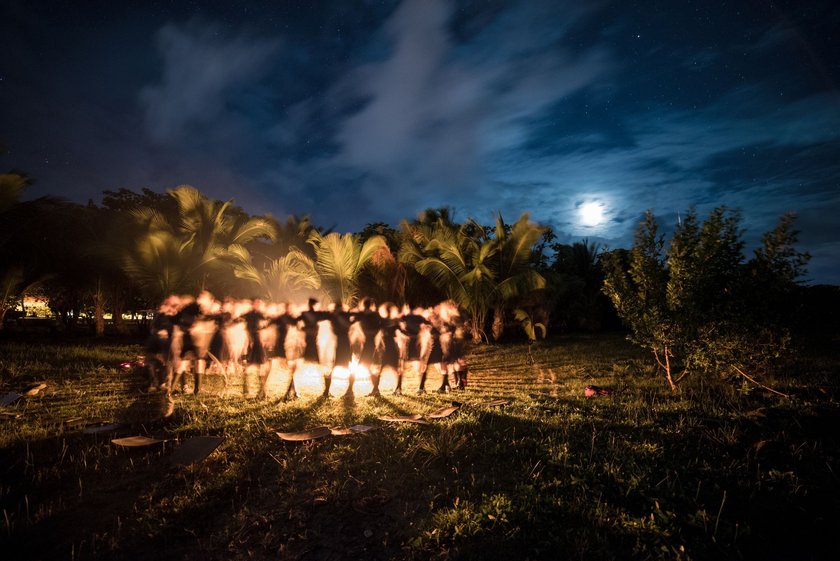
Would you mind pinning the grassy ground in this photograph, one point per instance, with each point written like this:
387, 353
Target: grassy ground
717, 473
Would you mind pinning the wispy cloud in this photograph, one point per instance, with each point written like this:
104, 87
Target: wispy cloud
536, 106
202, 72
446, 120
721, 154
433, 112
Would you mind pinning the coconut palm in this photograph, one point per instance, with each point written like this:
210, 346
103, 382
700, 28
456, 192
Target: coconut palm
386, 277
24, 263
458, 260
158, 260
192, 254
12, 278
285, 278
339, 261
12, 186
471, 266
515, 276
208, 228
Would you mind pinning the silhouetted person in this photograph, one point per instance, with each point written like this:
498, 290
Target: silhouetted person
431, 352
388, 350
453, 343
185, 320
221, 316
308, 321
340, 321
411, 325
282, 349
158, 343
256, 353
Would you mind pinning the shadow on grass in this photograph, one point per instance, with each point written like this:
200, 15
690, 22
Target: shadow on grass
640, 474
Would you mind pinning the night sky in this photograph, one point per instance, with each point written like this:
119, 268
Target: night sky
359, 111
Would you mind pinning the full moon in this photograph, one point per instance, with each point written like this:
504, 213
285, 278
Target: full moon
591, 214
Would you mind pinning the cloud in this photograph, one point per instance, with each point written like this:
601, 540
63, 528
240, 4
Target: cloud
202, 71
746, 151
434, 111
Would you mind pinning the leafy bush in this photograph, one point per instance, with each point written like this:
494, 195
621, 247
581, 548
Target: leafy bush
698, 306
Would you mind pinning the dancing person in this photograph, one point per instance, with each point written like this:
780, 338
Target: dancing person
369, 321
158, 343
340, 320
308, 322
236, 335
256, 352
290, 344
221, 314
186, 318
431, 352
388, 354
279, 321
411, 324
453, 344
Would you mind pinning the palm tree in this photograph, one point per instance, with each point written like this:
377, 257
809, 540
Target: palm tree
473, 267
11, 280
208, 228
158, 260
386, 277
339, 261
12, 186
20, 269
457, 259
194, 253
515, 276
285, 278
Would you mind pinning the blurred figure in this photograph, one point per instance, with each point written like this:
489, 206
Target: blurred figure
308, 322
430, 349
411, 325
220, 313
452, 344
388, 354
254, 322
340, 321
158, 343
188, 314
369, 322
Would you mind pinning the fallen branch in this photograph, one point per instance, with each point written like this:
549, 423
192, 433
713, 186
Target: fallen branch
769, 389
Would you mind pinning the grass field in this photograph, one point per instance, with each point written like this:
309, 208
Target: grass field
719, 472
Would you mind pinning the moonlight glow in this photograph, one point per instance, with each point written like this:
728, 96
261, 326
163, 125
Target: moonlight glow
591, 214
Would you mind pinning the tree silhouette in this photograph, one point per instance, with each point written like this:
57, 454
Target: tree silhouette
340, 258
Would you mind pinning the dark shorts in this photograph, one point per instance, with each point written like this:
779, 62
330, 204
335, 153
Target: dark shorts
256, 352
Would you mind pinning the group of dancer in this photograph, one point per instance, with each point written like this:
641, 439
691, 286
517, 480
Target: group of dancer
202, 334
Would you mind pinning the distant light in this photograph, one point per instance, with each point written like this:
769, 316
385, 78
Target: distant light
591, 214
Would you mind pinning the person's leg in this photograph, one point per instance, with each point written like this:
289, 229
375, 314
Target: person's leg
327, 381
179, 381
400, 370
198, 375
444, 370
351, 381
264, 370
424, 368
245, 380
291, 392
374, 380
461, 375
152, 369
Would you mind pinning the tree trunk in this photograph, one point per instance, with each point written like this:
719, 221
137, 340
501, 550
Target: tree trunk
666, 366
476, 324
99, 309
498, 323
